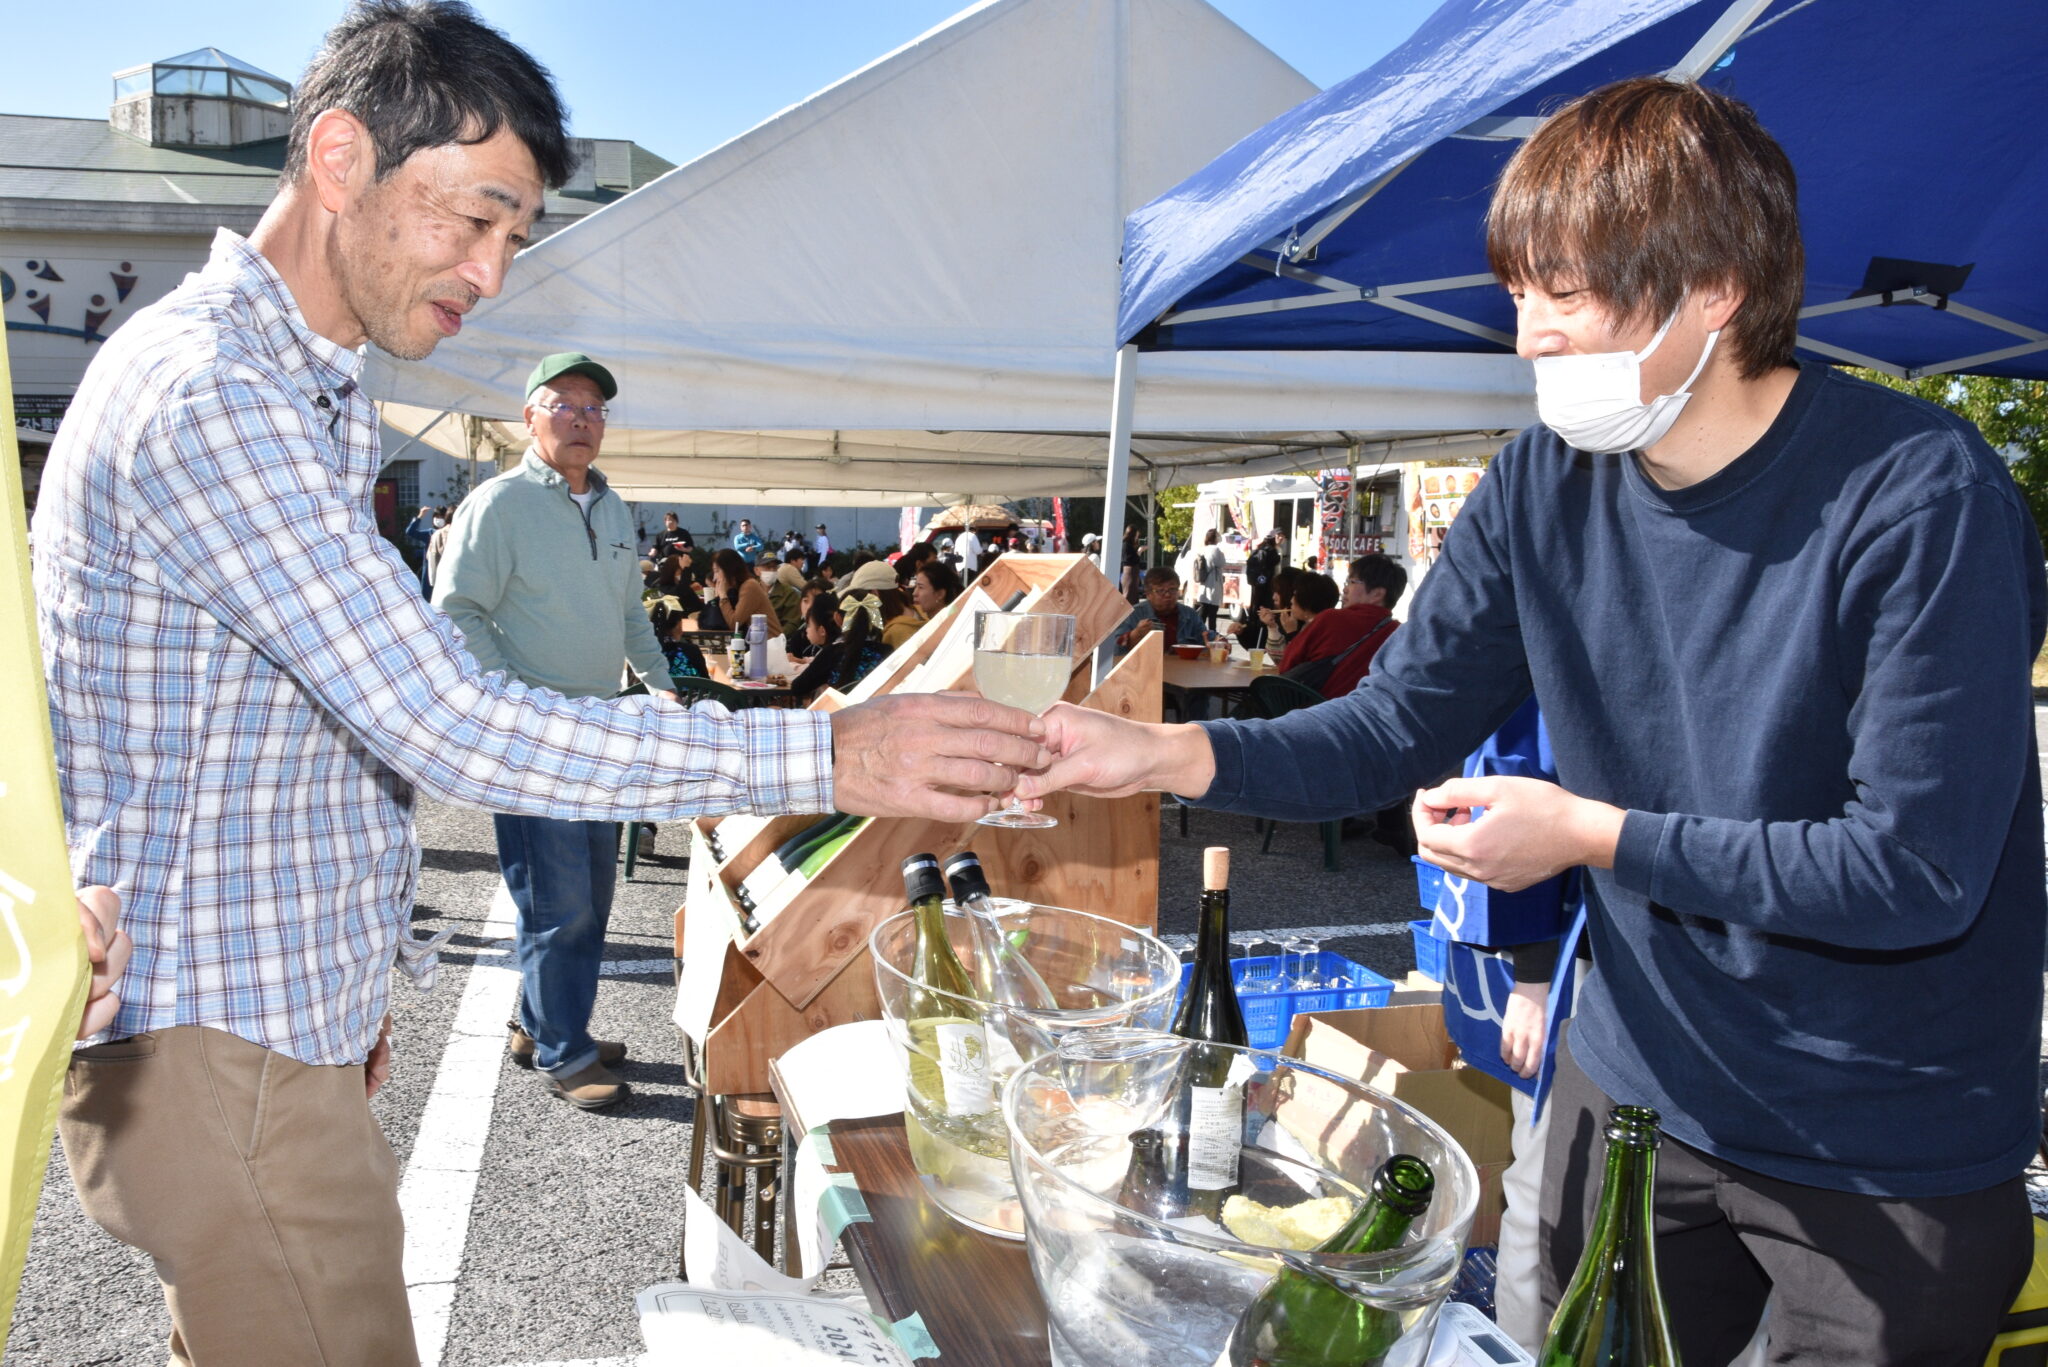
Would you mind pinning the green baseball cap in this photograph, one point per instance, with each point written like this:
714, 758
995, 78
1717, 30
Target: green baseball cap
572, 363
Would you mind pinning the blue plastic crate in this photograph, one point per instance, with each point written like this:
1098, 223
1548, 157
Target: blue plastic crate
1475, 914
1269, 1013
1429, 951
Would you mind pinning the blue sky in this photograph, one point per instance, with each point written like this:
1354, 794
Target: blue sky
677, 76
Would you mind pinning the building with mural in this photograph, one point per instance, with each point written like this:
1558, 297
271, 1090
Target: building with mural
100, 217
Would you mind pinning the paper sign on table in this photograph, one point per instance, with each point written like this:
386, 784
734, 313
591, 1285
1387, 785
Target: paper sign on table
688, 1325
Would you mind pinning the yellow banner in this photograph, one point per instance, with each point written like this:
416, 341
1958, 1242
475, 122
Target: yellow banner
43, 964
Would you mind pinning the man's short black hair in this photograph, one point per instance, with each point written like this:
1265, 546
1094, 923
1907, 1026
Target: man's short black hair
428, 73
1160, 575
1378, 572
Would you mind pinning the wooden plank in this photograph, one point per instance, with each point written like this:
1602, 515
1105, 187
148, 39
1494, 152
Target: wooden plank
974, 1292
760, 1023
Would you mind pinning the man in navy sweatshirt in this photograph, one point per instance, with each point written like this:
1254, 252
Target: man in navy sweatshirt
1779, 622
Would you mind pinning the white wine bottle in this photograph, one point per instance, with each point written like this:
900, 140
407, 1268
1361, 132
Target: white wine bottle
1209, 1013
1003, 974
949, 1062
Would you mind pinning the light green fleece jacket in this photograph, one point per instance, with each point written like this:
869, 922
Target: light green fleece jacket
546, 591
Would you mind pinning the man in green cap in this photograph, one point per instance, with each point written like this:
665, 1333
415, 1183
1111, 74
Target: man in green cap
542, 576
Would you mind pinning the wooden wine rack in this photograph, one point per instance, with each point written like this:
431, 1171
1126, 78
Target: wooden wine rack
807, 968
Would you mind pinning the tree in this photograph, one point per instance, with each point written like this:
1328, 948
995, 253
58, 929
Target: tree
1175, 520
2012, 415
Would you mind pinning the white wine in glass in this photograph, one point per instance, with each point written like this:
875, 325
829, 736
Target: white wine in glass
1022, 660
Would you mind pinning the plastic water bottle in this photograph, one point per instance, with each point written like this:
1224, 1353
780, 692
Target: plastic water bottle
757, 647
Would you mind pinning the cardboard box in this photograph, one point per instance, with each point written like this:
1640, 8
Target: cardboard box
1405, 1052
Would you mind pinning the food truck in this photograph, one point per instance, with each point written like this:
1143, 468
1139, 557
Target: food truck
1328, 518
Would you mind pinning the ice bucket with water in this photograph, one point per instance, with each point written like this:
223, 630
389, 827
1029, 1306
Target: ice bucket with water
1125, 1288
1105, 974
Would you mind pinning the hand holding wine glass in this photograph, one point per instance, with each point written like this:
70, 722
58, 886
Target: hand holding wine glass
1022, 660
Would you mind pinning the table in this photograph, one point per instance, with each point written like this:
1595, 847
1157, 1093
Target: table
974, 1292
1182, 679
720, 669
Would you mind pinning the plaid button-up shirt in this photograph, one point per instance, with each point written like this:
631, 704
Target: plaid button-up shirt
246, 686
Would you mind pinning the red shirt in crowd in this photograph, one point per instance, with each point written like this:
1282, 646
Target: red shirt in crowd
1329, 634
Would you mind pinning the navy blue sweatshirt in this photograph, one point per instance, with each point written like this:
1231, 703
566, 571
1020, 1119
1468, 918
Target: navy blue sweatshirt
1806, 679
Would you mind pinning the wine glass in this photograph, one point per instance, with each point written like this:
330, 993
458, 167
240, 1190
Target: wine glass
1301, 962
1022, 660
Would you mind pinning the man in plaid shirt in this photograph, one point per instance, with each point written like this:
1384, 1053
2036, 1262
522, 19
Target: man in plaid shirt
247, 691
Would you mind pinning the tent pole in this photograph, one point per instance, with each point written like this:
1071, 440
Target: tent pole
1123, 407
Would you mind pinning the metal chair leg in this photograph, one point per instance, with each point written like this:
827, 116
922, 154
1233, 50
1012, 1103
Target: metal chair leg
632, 847
1333, 834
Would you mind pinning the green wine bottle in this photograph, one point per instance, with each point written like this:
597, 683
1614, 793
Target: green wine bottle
1302, 1319
1612, 1315
1212, 1102
815, 857
755, 888
949, 1064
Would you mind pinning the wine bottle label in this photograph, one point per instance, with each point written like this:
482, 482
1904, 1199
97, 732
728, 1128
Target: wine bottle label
1215, 1134
963, 1067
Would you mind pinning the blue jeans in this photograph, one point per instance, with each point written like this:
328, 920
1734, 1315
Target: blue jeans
560, 875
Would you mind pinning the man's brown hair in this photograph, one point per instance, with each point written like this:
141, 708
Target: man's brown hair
1645, 190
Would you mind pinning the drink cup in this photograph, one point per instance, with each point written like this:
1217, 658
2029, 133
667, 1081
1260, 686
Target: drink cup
1219, 651
1257, 656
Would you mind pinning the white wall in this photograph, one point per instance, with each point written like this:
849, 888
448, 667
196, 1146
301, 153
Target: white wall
846, 527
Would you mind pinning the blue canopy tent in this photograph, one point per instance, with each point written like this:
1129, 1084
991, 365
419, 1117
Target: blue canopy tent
1355, 220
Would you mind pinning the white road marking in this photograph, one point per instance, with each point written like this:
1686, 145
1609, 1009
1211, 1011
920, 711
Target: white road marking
447, 1153
1278, 933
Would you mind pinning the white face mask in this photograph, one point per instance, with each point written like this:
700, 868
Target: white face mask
1595, 402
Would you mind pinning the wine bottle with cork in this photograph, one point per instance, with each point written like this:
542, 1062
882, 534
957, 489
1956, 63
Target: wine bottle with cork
1209, 1013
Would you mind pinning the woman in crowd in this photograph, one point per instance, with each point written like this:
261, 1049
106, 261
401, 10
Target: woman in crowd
908, 564
1279, 620
1208, 575
672, 580
685, 661
1133, 573
847, 638
736, 595
799, 641
933, 586
876, 580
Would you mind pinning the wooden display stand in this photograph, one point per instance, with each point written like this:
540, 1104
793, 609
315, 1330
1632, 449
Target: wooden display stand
808, 969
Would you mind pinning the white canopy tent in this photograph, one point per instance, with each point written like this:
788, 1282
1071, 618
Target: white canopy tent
886, 469
899, 291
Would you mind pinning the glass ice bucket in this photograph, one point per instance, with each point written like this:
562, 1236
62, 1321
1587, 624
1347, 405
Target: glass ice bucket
1124, 1287
1103, 972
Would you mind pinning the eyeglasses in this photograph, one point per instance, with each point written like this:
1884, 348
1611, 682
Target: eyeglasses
595, 412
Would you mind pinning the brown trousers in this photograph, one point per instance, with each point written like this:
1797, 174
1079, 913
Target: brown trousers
262, 1188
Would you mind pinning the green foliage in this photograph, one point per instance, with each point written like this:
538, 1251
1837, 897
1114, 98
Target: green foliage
1176, 523
2012, 415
